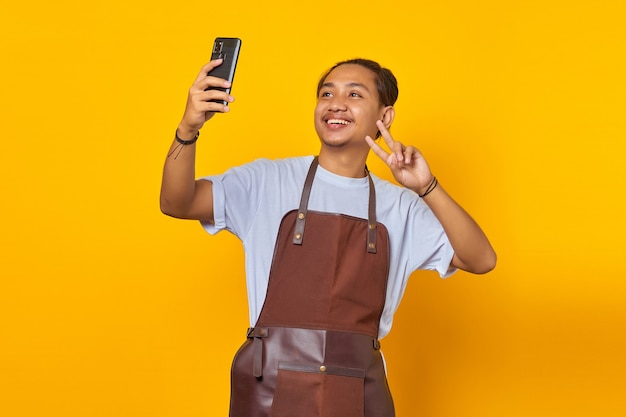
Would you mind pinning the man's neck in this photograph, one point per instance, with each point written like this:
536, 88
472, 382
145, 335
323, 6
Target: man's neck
340, 162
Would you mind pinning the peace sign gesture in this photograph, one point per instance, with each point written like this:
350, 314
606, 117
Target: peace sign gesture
407, 163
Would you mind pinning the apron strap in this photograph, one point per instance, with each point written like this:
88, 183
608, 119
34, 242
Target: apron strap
371, 216
298, 234
257, 333
304, 203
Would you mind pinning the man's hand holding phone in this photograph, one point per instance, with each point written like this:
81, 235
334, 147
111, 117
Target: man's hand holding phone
210, 93
206, 97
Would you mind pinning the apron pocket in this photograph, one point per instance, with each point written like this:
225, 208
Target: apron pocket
304, 390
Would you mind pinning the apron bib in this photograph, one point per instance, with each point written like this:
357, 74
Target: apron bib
314, 351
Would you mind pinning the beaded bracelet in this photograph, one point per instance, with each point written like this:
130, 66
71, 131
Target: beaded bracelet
431, 186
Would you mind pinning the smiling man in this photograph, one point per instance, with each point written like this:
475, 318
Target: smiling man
329, 245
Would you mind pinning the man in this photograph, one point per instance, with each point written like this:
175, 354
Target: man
329, 246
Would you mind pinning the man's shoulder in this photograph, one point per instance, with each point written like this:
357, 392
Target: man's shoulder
389, 193
295, 162
271, 173
265, 166
388, 186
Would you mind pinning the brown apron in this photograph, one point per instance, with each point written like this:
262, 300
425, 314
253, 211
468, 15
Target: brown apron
314, 351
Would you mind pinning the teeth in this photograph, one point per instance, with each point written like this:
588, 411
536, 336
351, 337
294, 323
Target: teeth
338, 122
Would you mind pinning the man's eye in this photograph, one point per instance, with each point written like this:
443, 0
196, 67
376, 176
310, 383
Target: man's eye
355, 95
326, 94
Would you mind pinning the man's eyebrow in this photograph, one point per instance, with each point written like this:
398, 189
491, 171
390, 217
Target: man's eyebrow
351, 85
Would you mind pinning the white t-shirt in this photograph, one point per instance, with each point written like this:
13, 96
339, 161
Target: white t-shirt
251, 200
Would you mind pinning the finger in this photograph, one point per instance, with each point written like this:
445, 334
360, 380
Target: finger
211, 102
380, 152
211, 107
396, 147
209, 83
398, 151
204, 72
385, 133
216, 106
410, 153
213, 94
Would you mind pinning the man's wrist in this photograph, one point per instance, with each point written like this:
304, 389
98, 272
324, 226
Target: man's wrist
423, 192
186, 133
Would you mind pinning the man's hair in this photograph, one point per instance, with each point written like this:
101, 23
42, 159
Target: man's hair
386, 83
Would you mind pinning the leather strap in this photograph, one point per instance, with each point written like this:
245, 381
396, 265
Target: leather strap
304, 203
298, 235
371, 216
257, 333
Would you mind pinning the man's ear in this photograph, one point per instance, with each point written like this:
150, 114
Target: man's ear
388, 115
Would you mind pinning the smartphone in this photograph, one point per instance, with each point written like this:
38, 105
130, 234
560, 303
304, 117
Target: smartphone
228, 50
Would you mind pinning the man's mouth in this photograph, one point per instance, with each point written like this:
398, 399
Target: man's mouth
338, 122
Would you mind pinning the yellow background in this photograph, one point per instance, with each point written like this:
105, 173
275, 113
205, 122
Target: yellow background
109, 308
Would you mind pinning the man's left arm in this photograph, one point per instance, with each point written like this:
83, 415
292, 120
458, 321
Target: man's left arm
472, 250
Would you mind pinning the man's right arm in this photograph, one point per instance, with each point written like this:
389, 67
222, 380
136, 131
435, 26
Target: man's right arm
183, 196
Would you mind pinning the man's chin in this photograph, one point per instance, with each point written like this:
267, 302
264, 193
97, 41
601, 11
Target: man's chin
334, 142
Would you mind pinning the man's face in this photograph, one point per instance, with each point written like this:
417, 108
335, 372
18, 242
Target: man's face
348, 107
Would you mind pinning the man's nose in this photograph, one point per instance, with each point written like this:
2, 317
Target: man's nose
337, 104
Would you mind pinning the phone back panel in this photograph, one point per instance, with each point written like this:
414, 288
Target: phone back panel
228, 50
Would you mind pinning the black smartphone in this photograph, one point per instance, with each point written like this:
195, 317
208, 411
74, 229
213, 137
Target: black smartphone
228, 50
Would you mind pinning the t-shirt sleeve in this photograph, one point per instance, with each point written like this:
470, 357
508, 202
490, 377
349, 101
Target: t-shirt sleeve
431, 235
441, 259
236, 196
219, 217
